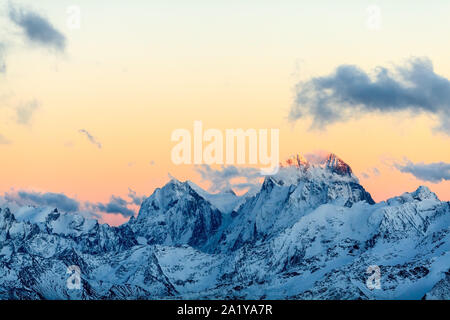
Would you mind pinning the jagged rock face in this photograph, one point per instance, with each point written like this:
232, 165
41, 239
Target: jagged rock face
295, 161
34, 258
337, 165
311, 232
175, 215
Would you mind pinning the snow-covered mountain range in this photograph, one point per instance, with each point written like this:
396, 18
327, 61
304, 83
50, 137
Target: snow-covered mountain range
311, 232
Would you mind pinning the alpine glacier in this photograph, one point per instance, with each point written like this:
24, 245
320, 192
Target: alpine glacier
311, 232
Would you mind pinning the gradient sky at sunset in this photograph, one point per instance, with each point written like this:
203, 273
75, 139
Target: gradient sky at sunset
135, 71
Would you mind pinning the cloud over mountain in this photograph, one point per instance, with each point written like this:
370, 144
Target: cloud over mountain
135, 198
50, 199
64, 203
229, 177
350, 92
116, 205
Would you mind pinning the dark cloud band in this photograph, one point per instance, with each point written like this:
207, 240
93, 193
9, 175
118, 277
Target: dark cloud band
50, 199
432, 172
350, 92
116, 205
37, 29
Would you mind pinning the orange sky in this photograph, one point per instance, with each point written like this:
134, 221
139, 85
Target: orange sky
131, 80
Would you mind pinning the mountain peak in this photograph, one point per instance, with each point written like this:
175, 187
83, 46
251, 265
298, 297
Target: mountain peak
420, 194
175, 182
329, 161
424, 193
177, 186
296, 160
337, 165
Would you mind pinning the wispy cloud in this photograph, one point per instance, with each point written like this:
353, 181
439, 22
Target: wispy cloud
432, 172
350, 92
376, 172
25, 111
37, 29
317, 156
4, 140
370, 172
230, 177
365, 175
2, 58
69, 144
91, 138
